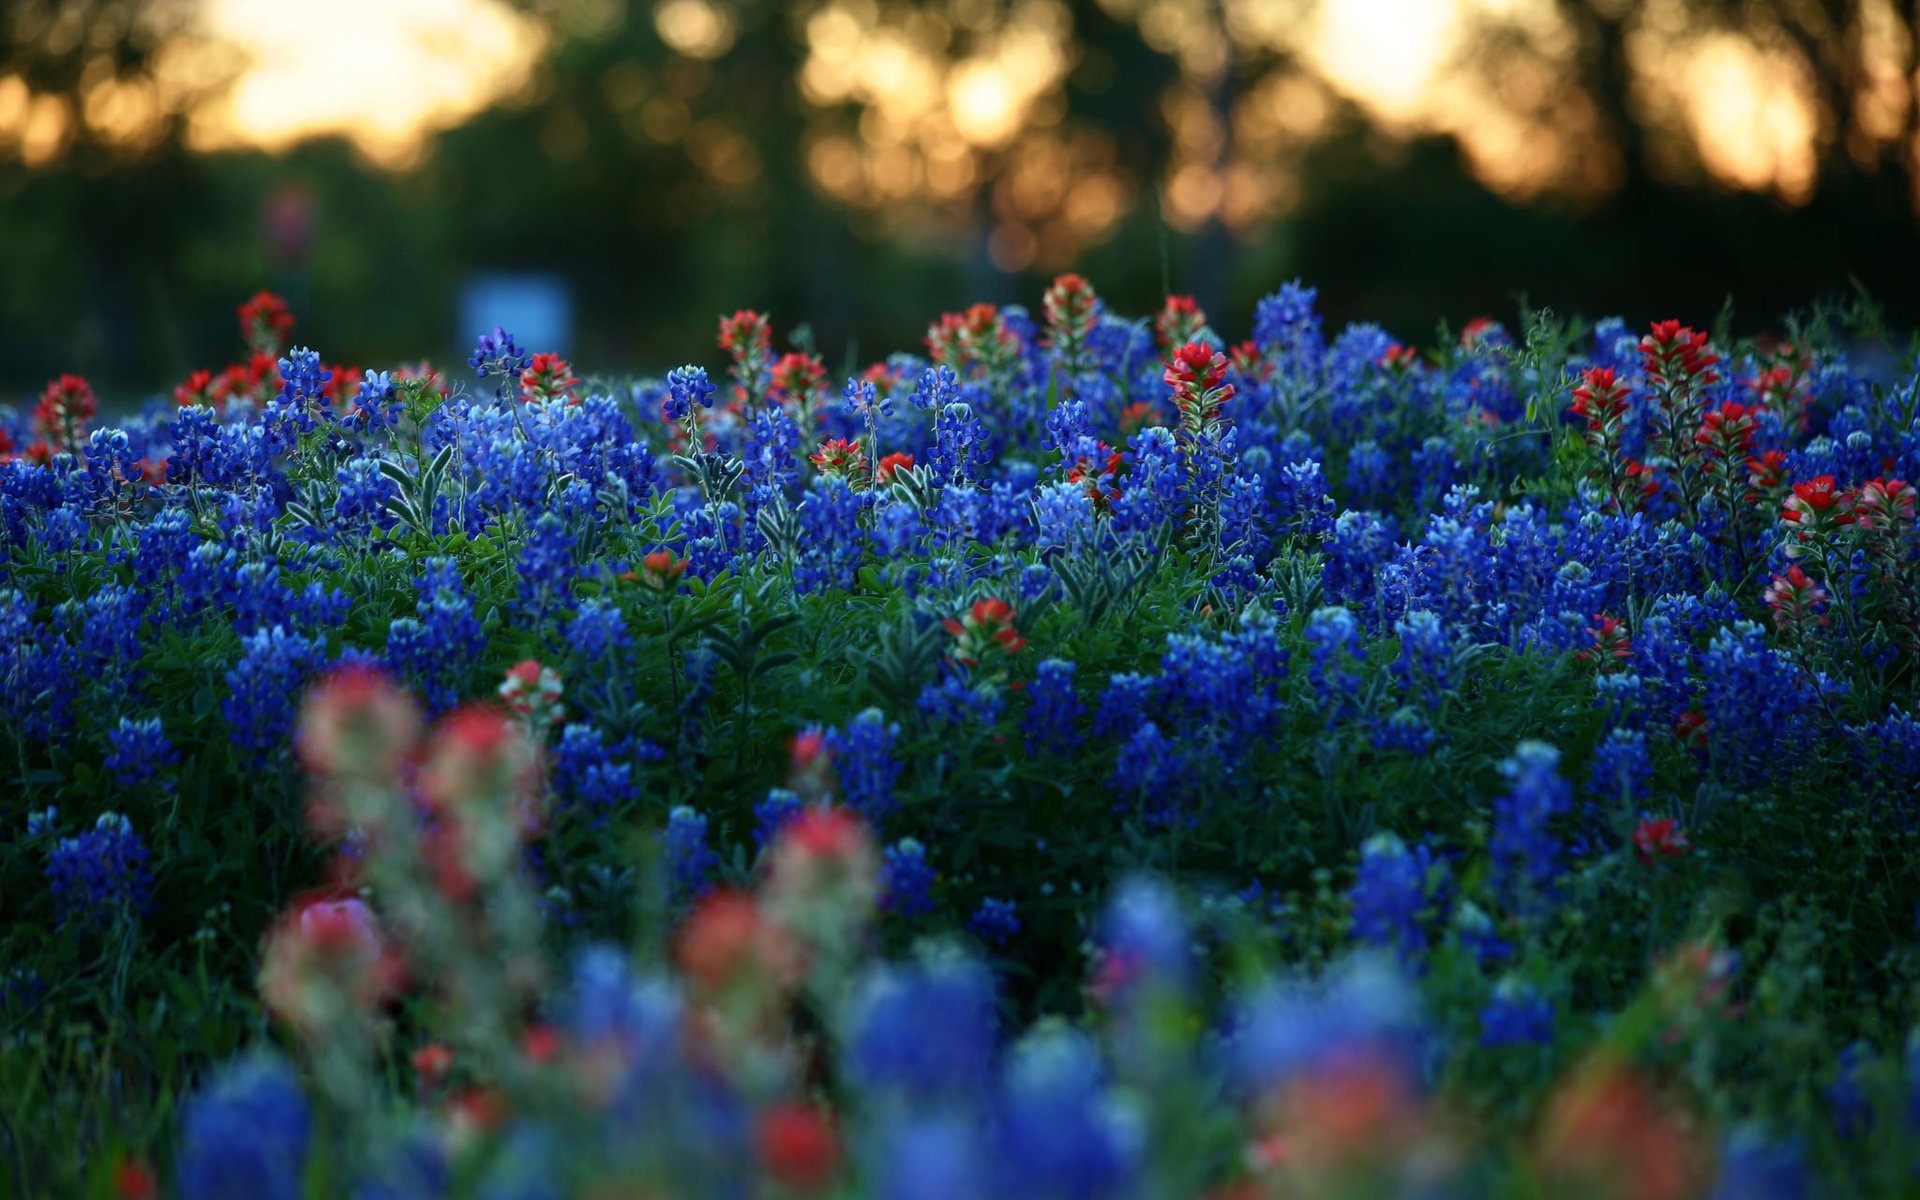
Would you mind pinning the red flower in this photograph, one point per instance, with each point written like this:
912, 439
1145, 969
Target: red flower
746, 332
540, 1044
660, 569
1599, 398
1399, 358
1069, 304
265, 322
1768, 471
839, 458
133, 1180
64, 410
1795, 599
1180, 320
548, 377
1726, 430
198, 389
1691, 728
1659, 839
822, 832
1883, 504
891, 463
1195, 367
987, 627
797, 1144
1611, 639
728, 942
431, 1063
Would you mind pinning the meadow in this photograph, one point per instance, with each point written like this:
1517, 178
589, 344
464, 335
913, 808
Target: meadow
1082, 757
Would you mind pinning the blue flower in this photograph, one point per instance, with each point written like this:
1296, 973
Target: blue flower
864, 763
100, 876
906, 879
771, 815
263, 689
1053, 714
139, 752
889, 1050
1517, 1015
244, 1135
995, 922
687, 387
495, 354
689, 860
1526, 849
1393, 895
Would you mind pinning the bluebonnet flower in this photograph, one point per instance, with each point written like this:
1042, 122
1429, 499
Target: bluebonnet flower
1301, 501
938, 387
1333, 639
364, 492
1622, 768
1062, 517
495, 354
1516, 1015
1404, 729
1755, 698
1369, 474
832, 544
1155, 488
906, 879
1149, 776
1754, 1166
888, 1050
377, 405
161, 547
139, 751
1062, 1136
587, 773
931, 1156
953, 701
263, 689
689, 860
960, 443
1358, 546
1124, 704
598, 631
546, 565
1286, 327
101, 875
771, 815
110, 638
42, 820
1054, 710
1848, 1103
1526, 850
1145, 938
995, 922
437, 651
301, 375
1425, 668
1364, 1009
1476, 932
863, 400
244, 1135
864, 763
1393, 895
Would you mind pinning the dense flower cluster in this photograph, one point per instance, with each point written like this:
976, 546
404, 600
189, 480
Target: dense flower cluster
1504, 658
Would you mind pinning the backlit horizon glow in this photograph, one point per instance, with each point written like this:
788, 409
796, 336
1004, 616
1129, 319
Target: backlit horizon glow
954, 95
384, 73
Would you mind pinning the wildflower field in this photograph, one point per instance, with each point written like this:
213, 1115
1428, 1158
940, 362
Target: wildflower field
1080, 759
